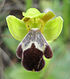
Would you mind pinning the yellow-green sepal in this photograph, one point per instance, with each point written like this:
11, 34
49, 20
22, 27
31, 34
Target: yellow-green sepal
53, 28
32, 13
16, 27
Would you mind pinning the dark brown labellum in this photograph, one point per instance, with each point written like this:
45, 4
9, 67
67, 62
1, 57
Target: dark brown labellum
31, 50
32, 59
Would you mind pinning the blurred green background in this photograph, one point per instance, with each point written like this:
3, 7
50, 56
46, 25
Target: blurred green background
59, 65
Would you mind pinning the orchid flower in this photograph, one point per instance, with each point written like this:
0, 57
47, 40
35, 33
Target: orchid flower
34, 31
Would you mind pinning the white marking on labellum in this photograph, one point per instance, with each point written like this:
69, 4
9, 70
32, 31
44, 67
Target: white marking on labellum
34, 36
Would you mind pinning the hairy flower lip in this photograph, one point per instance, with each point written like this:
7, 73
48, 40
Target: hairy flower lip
31, 51
32, 56
36, 69
33, 59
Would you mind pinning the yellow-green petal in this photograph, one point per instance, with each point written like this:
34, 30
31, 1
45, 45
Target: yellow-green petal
53, 28
49, 15
16, 27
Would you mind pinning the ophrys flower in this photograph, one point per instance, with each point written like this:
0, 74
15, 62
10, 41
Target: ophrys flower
34, 31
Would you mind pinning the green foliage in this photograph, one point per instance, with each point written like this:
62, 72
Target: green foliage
9, 41
66, 16
28, 3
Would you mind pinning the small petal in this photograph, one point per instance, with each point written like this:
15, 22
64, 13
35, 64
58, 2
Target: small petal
48, 52
49, 15
19, 52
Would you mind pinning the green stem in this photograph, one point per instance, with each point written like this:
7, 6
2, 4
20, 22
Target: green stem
28, 4
66, 19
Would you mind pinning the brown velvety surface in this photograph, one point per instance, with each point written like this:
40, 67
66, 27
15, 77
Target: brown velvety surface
32, 59
19, 52
48, 52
